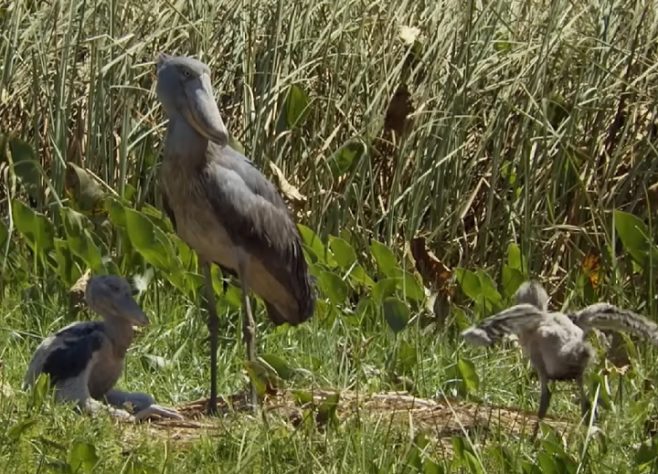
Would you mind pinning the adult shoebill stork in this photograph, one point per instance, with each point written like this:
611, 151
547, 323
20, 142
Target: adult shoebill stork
225, 209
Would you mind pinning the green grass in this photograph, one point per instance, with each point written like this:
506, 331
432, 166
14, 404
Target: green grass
532, 123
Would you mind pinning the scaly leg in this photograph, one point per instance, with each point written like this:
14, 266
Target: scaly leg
249, 333
213, 328
544, 401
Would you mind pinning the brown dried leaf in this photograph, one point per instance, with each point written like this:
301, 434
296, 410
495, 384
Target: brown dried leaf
77, 292
398, 111
592, 269
288, 190
436, 275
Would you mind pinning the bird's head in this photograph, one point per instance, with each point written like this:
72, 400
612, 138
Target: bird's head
531, 292
185, 90
112, 297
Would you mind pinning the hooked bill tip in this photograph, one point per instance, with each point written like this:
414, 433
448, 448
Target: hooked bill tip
476, 336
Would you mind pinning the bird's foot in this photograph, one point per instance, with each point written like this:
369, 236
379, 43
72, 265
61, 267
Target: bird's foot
156, 411
211, 408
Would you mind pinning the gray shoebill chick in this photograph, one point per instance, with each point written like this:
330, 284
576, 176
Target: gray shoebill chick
553, 341
85, 359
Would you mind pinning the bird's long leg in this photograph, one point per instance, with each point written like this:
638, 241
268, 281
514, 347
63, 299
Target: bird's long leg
249, 332
544, 401
213, 328
584, 402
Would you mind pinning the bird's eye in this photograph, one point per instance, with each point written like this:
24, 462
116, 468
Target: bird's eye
186, 73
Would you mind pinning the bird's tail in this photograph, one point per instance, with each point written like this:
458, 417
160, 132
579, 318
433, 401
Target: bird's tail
514, 320
305, 298
607, 316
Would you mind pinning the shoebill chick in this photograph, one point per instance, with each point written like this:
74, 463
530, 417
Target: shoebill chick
85, 359
553, 341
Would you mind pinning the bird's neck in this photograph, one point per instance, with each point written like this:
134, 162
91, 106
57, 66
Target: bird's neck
183, 142
120, 333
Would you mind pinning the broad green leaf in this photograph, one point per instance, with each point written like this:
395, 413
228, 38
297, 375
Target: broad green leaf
502, 45
396, 314
383, 288
346, 157
386, 262
313, 242
343, 252
411, 287
116, 212
327, 409
646, 453
332, 286
157, 217
488, 288
34, 226
149, 240
468, 374
15, 431
82, 457
262, 376
634, 236
296, 106
512, 279
459, 316
302, 397
514, 257
39, 391
79, 239
407, 357
469, 283
83, 188
65, 268
282, 368
479, 287
459, 447
432, 467
472, 463
26, 166
414, 460
358, 275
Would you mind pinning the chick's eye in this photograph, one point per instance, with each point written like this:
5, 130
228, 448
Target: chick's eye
186, 73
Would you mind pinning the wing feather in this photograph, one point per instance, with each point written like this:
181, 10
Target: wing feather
514, 320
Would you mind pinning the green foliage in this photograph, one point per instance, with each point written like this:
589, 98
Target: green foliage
513, 273
636, 238
35, 227
480, 288
26, 166
396, 314
503, 140
79, 239
82, 457
296, 106
385, 258
346, 158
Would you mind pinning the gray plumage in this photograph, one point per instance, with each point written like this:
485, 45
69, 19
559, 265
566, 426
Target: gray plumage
85, 359
555, 342
225, 209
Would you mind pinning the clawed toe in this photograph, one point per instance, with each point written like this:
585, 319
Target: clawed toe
158, 412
